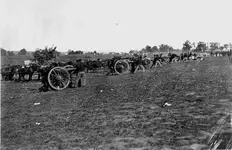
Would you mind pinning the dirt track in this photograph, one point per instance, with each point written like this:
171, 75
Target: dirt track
121, 112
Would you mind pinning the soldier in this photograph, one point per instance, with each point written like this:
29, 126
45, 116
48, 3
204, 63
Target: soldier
44, 74
211, 54
140, 64
156, 61
44, 71
172, 57
181, 56
81, 75
133, 65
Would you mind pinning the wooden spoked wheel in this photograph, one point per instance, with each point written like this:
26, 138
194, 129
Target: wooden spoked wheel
58, 78
147, 63
121, 67
68, 67
175, 60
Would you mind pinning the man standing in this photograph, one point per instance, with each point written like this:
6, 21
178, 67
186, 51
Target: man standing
140, 64
156, 61
81, 75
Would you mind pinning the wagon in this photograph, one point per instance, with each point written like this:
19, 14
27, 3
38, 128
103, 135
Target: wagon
59, 77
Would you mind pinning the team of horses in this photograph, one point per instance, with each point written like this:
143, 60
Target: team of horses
18, 72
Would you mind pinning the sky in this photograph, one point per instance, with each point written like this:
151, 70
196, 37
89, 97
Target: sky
112, 25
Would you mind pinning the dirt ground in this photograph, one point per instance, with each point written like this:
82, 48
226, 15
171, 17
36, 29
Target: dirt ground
122, 112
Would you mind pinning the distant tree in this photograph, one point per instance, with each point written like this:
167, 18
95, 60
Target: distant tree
187, 46
43, 55
72, 52
148, 48
154, 49
10, 53
79, 52
165, 48
201, 47
125, 54
221, 47
3, 52
131, 51
89, 53
22, 52
143, 50
214, 46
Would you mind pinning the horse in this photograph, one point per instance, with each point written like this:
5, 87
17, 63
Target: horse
173, 57
94, 65
8, 72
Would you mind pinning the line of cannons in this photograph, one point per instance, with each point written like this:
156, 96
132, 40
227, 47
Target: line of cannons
58, 75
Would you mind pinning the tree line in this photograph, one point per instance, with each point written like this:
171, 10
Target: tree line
187, 46
202, 46
24, 52
11, 53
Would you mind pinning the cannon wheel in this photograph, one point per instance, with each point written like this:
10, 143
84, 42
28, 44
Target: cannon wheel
121, 67
175, 60
58, 78
68, 66
147, 62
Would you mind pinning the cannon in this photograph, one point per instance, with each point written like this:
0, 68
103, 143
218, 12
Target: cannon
121, 67
118, 66
59, 77
147, 62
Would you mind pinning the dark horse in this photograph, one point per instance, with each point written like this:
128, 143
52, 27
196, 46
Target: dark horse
94, 65
173, 57
8, 72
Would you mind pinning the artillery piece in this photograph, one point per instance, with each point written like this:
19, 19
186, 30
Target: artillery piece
59, 77
123, 65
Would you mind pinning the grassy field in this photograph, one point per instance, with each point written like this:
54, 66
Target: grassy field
122, 112
19, 60
14, 60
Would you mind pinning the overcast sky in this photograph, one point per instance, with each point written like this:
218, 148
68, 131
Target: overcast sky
112, 25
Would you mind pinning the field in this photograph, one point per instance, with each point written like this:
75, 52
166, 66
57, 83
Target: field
122, 112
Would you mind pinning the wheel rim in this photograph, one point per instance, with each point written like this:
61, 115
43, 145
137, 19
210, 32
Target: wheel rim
68, 66
121, 67
58, 78
148, 63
